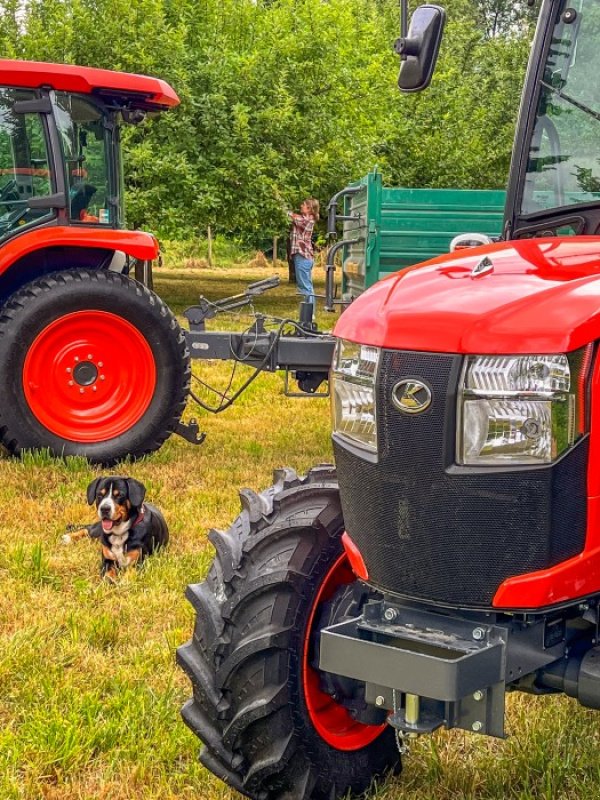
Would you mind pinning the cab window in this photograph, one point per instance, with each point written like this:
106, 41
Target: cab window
24, 163
85, 146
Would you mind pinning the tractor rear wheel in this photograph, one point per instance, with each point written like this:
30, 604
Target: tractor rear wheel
274, 726
91, 363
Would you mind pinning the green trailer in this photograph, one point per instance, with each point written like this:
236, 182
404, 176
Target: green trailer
387, 229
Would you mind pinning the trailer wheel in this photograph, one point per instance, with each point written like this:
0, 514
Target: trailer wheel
260, 705
91, 363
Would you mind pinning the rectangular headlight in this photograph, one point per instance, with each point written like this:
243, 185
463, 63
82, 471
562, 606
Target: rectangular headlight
352, 384
521, 409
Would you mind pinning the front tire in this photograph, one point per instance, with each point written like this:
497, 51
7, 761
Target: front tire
269, 728
92, 363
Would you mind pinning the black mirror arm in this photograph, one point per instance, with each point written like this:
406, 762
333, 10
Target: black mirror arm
405, 47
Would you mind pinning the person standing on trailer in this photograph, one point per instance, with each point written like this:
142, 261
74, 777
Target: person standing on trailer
301, 249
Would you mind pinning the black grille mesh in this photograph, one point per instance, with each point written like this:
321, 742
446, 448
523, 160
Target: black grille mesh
432, 531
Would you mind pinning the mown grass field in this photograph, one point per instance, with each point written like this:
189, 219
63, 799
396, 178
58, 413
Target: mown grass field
89, 691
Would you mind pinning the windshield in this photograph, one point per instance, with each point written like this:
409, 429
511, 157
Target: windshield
86, 145
24, 164
563, 168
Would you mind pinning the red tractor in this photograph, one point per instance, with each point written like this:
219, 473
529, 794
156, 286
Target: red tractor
91, 361
453, 553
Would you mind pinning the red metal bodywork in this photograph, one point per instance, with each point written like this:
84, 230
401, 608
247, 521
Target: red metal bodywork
87, 80
542, 296
137, 244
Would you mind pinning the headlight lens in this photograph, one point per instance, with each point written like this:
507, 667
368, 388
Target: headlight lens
352, 383
521, 409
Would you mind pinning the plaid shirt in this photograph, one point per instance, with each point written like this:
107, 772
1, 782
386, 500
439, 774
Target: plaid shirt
301, 235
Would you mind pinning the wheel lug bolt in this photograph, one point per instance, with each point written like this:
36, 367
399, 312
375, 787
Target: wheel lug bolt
100, 364
102, 378
89, 358
69, 370
82, 391
76, 358
71, 383
94, 388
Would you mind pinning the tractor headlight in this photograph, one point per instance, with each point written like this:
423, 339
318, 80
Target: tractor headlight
352, 384
521, 409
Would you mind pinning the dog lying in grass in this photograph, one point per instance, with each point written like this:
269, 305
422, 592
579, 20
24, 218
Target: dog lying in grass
129, 530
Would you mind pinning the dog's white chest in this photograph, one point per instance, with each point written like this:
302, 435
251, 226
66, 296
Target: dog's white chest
117, 545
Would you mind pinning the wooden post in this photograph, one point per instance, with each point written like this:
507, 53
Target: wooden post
275, 243
209, 243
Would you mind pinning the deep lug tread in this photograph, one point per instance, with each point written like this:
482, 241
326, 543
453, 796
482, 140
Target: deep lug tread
277, 753
218, 768
251, 613
207, 608
260, 644
229, 550
195, 667
255, 505
271, 700
210, 735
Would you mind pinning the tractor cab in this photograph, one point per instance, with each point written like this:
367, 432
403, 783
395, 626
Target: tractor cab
91, 363
554, 186
59, 142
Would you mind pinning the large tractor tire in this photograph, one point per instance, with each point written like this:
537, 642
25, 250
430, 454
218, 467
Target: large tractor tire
273, 725
91, 363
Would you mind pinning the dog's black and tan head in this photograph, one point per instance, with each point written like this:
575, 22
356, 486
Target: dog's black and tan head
117, 500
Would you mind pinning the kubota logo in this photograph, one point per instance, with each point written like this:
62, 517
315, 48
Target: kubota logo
411, 396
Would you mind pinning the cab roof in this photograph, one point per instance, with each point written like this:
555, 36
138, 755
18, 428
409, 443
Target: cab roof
138, 91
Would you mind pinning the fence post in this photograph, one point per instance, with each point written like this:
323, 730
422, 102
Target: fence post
209, 242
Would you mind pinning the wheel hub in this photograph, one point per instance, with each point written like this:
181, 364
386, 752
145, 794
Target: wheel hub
85, 373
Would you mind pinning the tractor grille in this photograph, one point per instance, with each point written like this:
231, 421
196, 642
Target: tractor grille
430, 530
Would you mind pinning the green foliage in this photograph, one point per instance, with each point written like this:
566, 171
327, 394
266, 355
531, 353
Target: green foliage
285, 99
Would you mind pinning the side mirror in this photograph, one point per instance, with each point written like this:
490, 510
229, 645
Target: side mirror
465, 240
419, 50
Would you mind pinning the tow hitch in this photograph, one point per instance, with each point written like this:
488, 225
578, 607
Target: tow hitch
295, 347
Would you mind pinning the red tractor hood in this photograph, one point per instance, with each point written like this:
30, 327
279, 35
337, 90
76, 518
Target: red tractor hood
539, 296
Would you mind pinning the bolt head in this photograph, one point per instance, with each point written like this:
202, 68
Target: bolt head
379, 700
390, 614
478, 695
478, 634
477, 726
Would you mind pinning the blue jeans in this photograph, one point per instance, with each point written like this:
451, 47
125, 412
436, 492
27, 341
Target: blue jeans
304, 276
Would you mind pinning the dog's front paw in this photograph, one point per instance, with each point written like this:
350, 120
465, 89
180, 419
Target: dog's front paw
110, 575
66, 539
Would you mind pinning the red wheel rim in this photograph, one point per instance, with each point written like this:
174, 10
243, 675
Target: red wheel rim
332, 720
89, 376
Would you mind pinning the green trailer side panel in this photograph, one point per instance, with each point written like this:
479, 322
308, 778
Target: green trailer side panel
395, 228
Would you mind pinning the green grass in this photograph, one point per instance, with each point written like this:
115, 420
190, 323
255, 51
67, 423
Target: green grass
89, 691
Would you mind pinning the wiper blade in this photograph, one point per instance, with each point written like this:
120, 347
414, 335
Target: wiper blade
571, 100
